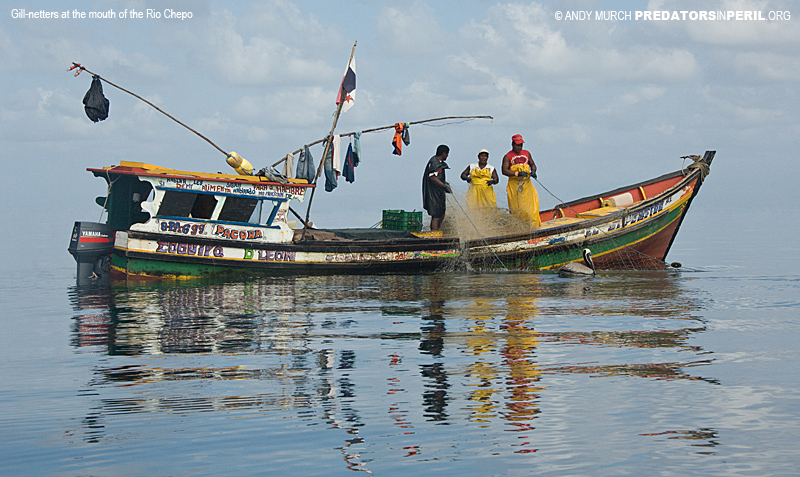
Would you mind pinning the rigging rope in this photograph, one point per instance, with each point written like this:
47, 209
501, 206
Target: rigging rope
697, 164
83, 68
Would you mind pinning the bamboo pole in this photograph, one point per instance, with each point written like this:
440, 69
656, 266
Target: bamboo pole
82, 68
327, 145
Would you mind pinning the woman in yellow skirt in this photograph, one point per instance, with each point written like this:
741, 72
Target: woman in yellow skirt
518, 166
481, 177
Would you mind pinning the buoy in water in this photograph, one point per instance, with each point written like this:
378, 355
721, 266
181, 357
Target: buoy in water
577, 269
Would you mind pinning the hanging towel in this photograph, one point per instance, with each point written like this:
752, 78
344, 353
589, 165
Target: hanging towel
288, 165
94, 103
337, 154
357, 149
406, 137
349, 165
397, 142
330, 174
305, 166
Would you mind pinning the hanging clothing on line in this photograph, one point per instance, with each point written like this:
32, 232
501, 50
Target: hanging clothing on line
337, 154
305, 166
398, 140
350, 165
357, 148
94, 103
288, 165
330, 174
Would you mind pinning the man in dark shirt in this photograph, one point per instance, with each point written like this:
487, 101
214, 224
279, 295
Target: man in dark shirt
434, 186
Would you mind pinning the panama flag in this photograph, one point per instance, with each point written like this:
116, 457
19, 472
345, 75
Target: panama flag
348, 87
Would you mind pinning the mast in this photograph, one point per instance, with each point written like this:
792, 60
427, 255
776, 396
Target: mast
327, 145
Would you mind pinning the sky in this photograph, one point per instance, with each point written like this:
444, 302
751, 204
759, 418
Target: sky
601, 102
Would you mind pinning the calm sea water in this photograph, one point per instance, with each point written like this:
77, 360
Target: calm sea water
507, 373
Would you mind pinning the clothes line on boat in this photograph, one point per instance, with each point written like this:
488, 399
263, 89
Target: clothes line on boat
383, 128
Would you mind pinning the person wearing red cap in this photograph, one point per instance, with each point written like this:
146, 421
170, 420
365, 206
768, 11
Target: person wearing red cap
518, 166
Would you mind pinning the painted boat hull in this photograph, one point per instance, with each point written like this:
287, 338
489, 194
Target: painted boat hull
145, 255
638, 236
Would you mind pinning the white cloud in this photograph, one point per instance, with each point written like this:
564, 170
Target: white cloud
628, 99
288, 107
44, 115
783, 33
744, 108
265, 56
666, 128
572, 133
524, 38
767, 66
411, 31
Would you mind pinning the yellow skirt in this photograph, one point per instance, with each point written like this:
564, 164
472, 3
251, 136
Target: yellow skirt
523, 201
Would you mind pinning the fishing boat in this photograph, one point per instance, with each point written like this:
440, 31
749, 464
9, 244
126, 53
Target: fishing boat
166, 223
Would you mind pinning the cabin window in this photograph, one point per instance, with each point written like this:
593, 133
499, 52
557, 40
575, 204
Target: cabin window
276, 204
177, 204
255, 217
237, 209
204, 206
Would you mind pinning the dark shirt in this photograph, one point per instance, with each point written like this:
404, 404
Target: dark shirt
433, 195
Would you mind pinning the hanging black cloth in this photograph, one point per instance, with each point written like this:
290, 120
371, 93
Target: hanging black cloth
95, 104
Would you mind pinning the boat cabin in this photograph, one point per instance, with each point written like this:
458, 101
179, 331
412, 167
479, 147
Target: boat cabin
148, 198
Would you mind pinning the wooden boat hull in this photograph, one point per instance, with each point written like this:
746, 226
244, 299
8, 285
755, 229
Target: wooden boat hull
147, 255
636, 236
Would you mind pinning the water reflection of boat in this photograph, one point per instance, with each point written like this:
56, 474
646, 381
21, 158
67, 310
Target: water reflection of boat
428, 348
168, 223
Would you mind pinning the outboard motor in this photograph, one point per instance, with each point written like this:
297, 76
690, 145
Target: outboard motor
91, 246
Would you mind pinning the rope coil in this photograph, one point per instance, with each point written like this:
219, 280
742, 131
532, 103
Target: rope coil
697, 164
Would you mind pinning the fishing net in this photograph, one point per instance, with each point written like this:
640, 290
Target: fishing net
482, 225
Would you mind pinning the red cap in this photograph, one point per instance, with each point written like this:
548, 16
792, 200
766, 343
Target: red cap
517, 139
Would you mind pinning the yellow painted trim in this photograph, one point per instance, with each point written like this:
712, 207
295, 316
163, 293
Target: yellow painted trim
430, 234
206, 175
644, 196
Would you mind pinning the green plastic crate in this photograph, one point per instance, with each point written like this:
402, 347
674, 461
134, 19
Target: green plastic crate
402, 220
